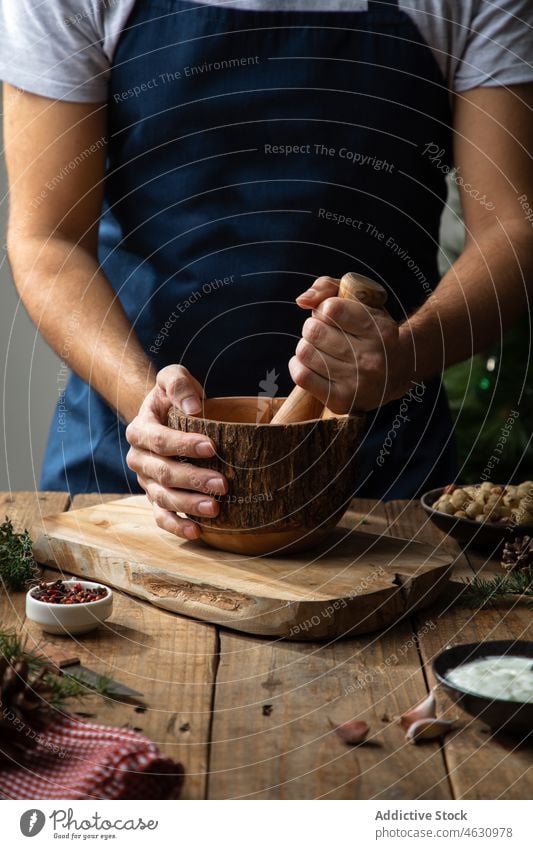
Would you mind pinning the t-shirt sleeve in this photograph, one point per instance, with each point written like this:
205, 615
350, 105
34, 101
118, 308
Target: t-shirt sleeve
499, 46
53, 49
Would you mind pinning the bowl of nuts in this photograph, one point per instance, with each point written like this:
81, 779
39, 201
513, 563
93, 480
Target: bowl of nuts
482, 515
69, 607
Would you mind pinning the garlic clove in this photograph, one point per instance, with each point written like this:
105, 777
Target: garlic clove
427, 729
352, 732
426, 709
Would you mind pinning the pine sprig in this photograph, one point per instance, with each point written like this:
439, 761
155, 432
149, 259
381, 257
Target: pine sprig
62, 687
17, 564
482, 592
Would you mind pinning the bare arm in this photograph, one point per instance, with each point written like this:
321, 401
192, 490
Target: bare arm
350, 356
491, 284
56, 164
55, 154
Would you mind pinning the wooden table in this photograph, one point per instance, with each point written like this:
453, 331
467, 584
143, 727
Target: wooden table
250, 717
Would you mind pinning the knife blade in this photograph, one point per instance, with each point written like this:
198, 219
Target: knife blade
69, 664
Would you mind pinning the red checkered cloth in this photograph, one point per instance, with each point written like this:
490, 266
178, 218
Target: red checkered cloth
74, 759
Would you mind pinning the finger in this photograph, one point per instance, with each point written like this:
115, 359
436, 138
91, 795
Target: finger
353, 317
325, 365
319, 386
180, 500
181, 388
323, 287
174, 474
168, 521
330, 340
145, 434
364, 362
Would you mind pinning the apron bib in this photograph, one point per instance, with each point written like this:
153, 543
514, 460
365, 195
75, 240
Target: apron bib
250, 152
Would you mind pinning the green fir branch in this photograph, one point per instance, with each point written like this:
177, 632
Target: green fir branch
482, 592
62, 686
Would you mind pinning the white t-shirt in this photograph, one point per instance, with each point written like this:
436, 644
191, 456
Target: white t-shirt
64, 49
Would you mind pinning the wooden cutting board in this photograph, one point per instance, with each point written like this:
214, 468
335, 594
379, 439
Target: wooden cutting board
356, 583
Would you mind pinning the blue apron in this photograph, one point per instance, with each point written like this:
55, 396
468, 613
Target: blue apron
250, 152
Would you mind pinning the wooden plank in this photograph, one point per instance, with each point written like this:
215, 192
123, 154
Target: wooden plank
119, 544
484, 563
169, 659
24, 509
481, 765
271, 735
408, 518
172, 660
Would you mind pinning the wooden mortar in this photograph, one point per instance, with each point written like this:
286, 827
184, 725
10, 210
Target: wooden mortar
289, 484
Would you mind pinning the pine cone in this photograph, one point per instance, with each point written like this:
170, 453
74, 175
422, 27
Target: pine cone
25, 707
518, 554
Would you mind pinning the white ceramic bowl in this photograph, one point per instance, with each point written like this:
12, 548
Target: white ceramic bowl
70, 618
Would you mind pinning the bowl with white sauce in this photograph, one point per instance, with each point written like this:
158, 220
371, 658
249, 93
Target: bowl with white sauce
492, 680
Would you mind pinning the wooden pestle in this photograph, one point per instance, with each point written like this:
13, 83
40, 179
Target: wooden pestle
300, 404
